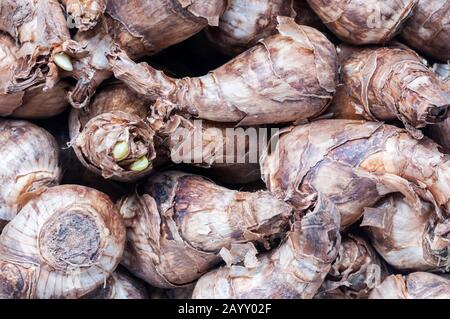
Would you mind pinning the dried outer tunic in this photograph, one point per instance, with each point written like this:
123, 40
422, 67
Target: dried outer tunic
440, 132
62, 244
116, 114
178, 224
362, 22
355, 272
26, 98
418, 285
296, 269
84, 14
408, 238
28, 164
286, 77
119, 285
166, 23
354, 164
40, 29
388, 84
428, 30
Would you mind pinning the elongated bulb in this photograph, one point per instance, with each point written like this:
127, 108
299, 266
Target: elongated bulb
140, 164
63, 61
121, 151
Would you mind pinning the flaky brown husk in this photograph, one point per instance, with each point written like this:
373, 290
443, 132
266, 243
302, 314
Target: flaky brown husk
140, 28
387, 84
286, 77
179, 223
115, 114
27, 97
358, 22
355, 272
366, 161
294, 270
418, 285
28, 164
244, 23
409, 238
84, 14
119, 285
40, 30
428, 30
62, 244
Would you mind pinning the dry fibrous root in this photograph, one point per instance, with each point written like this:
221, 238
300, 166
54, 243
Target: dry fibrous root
367, 161
355, 272
119, 285
26, 97
407, 237
244, 23
167, 22
45, 48
84, 14
111, 136
428, 30
286, 77
180, 225
364, 22
28, 164
63, 244
296, 269
389, 84
417, 285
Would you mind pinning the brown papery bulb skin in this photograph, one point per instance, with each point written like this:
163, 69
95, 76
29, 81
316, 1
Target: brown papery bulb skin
428, 30
409, 238
286, 77
178, 224
28, 165
355, 272
366, 160
388, 84
140, 28
119, 285
294, 270
40, 30
84, 14
115, 115
244, 23
361, 22
62, 244
26, 98
418, 285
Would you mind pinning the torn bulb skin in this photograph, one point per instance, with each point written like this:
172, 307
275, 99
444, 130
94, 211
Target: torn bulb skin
28, 165
244, 23
355, 272
294, 270
427, 30
124, 26
286, 77
440, 132
70, 236
387, 159
387, 84
27, 97
84, 14
409, 238
179, 224
111, 137
119, 285
417, 285
40, 30
359, 23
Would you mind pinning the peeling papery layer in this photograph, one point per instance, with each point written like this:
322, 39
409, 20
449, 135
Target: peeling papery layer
97, 139
295, 80
179, 225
